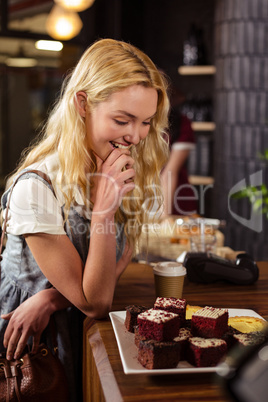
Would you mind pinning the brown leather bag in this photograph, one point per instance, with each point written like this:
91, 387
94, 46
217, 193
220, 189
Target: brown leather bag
36, 377
33, 378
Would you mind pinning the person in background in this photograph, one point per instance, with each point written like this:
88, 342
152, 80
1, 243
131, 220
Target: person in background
180, 197
103, 149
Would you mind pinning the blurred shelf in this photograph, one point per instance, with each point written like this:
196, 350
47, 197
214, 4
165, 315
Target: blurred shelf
203, 125
197, 70
197, 180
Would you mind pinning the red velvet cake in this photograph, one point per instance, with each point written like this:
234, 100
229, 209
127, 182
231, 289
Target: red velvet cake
182, 338
210, 322
132, 313
250, 338
158, 355
206, 352
228, 337
138, 337
159, 325
177, 306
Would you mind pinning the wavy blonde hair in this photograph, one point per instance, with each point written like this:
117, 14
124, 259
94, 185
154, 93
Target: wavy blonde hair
106, 67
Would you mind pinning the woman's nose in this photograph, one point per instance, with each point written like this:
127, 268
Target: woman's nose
134, 136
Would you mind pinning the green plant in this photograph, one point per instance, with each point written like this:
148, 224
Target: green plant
257, 195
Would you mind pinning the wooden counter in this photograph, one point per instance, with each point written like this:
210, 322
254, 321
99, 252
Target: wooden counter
104, 379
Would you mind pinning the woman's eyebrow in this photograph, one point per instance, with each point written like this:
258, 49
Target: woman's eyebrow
126, 114
132, 116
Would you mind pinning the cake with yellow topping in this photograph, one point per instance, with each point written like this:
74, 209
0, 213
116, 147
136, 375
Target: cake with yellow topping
190, 310
247, 324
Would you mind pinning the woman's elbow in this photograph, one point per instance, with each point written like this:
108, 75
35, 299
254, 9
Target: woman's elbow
101, 310
98, 310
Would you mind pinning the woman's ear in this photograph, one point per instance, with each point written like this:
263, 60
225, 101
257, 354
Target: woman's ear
81, 103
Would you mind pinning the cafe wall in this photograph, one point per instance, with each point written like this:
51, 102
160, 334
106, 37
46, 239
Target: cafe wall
26, 95
241, 114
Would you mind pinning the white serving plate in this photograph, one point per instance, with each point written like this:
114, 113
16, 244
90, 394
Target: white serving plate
128, 350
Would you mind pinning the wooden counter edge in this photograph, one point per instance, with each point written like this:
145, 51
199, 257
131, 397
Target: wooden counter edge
96, 365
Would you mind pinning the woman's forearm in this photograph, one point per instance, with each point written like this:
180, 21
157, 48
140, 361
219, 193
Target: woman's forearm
30, 319
99, 277
89, 287
54, 300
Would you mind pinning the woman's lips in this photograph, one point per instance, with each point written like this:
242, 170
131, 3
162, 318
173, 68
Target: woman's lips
118, 145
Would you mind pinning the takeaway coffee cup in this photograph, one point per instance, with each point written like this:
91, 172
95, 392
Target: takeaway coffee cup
169, 279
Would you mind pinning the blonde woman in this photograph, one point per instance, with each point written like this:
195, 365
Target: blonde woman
103, 149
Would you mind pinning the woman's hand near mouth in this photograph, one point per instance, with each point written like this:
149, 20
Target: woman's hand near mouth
113, 180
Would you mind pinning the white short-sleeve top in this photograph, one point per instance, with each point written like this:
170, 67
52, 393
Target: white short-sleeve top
33, 206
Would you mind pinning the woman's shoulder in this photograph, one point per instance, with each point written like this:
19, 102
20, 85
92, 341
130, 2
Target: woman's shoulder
32, 179
39, 174
33, 207
48, 165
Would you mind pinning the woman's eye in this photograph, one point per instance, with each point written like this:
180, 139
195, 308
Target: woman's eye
146, 123
120, 122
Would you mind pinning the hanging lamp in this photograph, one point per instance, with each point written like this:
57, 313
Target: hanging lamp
75, 5
62, 24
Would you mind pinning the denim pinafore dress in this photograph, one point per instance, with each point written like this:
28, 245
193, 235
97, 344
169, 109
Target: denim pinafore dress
21, 278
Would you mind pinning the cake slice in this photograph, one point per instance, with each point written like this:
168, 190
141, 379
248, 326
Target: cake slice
206, 352
247, 324
177, 306
250, 338
132, 313
159, 325
209, 322
138, 337
158, 355
182, 338
228, 337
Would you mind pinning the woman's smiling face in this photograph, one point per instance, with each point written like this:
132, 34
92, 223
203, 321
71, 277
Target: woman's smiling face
122, 120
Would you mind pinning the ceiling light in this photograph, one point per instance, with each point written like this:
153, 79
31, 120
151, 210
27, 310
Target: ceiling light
75, 5
20, 62
63, 24
51, 45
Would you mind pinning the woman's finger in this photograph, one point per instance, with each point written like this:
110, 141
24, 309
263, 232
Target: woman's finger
20, 347
8, 333
128, 175
12, 345
36, 341
119, 158
7, 316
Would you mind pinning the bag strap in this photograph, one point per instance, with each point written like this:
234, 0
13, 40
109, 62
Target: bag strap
47, 179
39, 173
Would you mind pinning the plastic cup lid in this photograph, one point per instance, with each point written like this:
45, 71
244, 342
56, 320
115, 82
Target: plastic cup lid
169, 268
